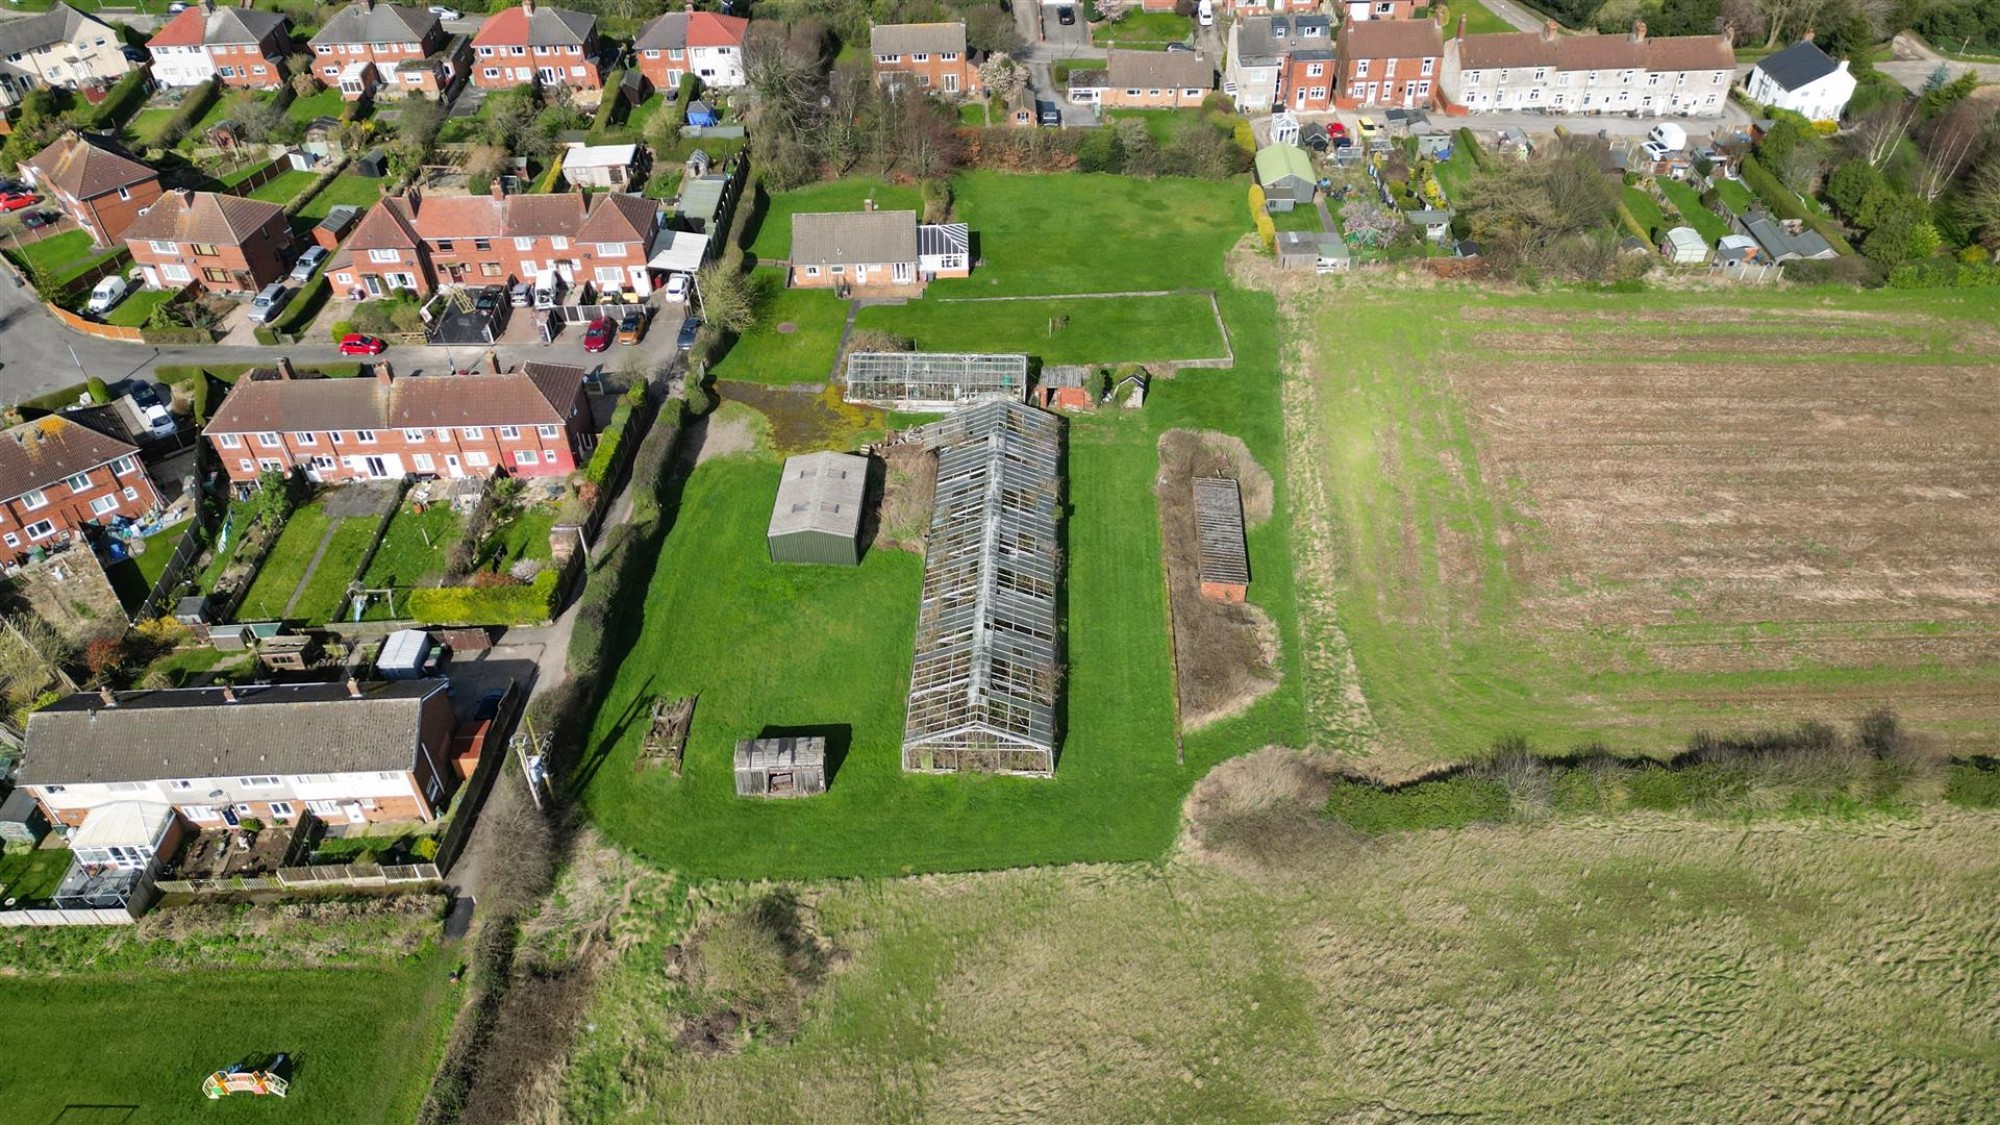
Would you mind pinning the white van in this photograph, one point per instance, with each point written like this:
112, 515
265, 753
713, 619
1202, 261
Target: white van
547, 289
1206, 13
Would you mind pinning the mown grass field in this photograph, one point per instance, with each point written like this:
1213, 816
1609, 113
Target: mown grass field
771, 239
1623, 518
773, 353
1662, 969
781, 646
135, 1046
1060, 329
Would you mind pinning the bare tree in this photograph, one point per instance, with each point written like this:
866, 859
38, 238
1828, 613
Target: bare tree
1955, 142
1877, 135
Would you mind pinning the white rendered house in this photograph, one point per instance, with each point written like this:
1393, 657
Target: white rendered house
1803, 79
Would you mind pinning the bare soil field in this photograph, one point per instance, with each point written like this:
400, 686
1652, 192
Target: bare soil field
1654, 969
1592, 517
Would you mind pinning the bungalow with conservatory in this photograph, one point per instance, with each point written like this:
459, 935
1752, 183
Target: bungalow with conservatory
348, 753
530, 422
56, 477
704, 44
243, 47
872, 249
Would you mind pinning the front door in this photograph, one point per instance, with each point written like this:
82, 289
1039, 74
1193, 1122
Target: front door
549, 75
860, 275
451, 468
374, 284
356, 815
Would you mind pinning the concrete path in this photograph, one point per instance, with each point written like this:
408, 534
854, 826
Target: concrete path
846, 334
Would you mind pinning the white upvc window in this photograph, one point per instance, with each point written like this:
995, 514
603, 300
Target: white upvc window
547, 431
104, 505
558, 242
268, 440
247, 465
521, 243
34, 498
920, 56
415, 437
173, 272
305, 437
525, 457
389, 256
40, 529
365, 437
477, 459
78, 482
610, 249
123, 465
165, 247
509, 433
474, 433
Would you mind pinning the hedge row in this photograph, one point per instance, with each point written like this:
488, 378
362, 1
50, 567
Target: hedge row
1944, 273
1470, 143
605, 456
125, 98
1633, 226
1785, 203
318, 185
198, 102
612, 100
531, 604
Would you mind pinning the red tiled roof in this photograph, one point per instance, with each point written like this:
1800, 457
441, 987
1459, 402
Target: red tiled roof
619, 218
1391, 39
386, 226
707, 29
37, 454
204, 216
85, 167
528, 397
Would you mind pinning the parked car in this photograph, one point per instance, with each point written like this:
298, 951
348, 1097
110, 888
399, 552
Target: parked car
1066, 16
488, 300
677, 287
16, 200
519, 295
176, 8
1368, 128
302, 270
632, 328
597, 337
106, 296
448, 15
1047, 114
36, 220
265, 305
147, 402
354, 343
12, 185
689, 328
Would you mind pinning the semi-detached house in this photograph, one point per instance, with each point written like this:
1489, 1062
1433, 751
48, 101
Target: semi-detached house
57, 476
1390, 63
347, 753
95, 182
534, 44
704, 44
1680, 75
387, 49
228, 243
243, 47
528, 422
62, 48
1282, 62
932, 56
419, 242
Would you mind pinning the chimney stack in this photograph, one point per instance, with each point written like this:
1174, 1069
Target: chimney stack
498, 191
1638, 31
104, 693
285, 368
228, 693
353, 688
1549, 29
1461, 28
1808, 36
382, 372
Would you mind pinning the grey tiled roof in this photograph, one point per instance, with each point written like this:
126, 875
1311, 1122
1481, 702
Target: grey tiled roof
1798, 65
843, 237
59, 24
916, 38
382, 23
197, 732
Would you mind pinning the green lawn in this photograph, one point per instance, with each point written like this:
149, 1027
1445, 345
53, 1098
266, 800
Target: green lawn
326, 103
145, 126
526, 536
1099, 330
1644, 208
53, 254
1478, 19
135, 310
767, 355
283, 189
771, 236
326, 590
413, 548
1453, 175
135, 577
363, 1039
346, 190
1734, 195
1143, 30
1163, 125
770, 645
33, 875
285, 565
1303, 217
1688, 201
243, 173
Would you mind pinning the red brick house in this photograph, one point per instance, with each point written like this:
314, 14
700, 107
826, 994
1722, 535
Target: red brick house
347, 753
406, 50
57, 476
228, 243
243, 47
931, 55
537, 45
878, 250
704, 44
1390, 63
1361, 11
417, 243
96, 182
530, 422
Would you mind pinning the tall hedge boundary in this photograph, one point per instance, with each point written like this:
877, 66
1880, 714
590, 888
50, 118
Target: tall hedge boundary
198, 102
1785, 203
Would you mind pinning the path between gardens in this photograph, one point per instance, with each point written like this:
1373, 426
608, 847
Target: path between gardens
1228, 358
325, 541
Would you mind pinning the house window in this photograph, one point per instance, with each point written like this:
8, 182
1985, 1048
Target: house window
365, 437
510, 433
390, 256
200, 812
247, 465
524, 244
1428, 64
525, 457
176, 273
422, 462
812, 271
489, 269
339, 438
165, 247
281, 810
415, 436
260, 782
1314, 70
477, 460
920, 57
34, 498
443, 434
1361, 70
271, 464
204, 249
304, 437
444, 245
547, 431
78, 483
610, 249
122, 466
131, 494
558, 242
491, 71
103, 505
474, 433
40, 529
268, 440
13, 540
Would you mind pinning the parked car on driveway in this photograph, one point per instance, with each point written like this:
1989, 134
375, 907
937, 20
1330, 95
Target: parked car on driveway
16, 200
632, 328
265, 305
147, 401
106, 296
354, 343
1066, 16
597, 337
689, 329
489, 299
303, 268
1047, 114
36, 220
677, 287
519, 295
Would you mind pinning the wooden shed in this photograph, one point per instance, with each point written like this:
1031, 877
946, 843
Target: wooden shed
1224, 565
780, 767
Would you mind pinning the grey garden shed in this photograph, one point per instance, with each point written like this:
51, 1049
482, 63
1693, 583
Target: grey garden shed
817, 516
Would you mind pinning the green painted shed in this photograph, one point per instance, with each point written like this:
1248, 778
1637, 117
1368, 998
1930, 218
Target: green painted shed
817, 515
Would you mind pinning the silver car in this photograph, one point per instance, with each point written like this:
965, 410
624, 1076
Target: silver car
265, 305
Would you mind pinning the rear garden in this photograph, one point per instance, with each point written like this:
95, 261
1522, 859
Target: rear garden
1143, 31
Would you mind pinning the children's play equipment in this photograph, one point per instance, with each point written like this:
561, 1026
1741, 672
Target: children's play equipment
241, 1079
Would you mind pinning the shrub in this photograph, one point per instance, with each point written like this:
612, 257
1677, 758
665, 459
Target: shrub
937, 200
1451, 802
99, 393
1267, 229
125, 98
608, 443
197, 103
486, 605
1974, 783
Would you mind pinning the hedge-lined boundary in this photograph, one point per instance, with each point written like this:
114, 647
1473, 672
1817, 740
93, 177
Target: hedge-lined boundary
1786, 204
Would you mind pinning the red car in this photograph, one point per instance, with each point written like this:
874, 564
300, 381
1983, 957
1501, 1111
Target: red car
354, 343
597, 337
15, 200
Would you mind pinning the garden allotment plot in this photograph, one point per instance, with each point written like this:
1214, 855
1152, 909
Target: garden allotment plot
1631, 517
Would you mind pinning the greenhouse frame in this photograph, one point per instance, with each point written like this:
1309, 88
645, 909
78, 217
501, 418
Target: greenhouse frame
928, 382
988, 662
